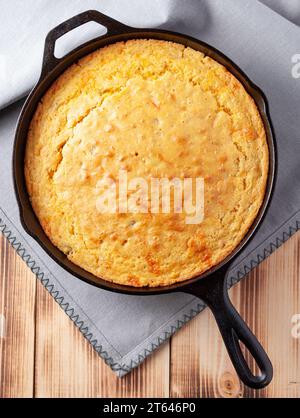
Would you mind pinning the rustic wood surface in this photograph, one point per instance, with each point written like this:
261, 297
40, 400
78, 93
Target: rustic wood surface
43, 354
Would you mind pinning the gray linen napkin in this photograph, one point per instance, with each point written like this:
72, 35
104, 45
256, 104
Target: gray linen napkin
125, 329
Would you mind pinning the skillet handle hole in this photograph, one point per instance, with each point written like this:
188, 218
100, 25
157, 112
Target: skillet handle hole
250, 360
71, 30
247, 355
76, 37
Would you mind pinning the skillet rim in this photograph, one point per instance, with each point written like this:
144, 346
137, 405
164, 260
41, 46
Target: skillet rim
45, 82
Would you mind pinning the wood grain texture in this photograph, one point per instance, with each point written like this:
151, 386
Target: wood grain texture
17, 310
44, 355
67, 366
267, 300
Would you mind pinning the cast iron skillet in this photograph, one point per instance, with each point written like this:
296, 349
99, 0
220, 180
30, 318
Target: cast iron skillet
211, 286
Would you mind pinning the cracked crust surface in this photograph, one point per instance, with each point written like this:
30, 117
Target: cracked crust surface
155, 109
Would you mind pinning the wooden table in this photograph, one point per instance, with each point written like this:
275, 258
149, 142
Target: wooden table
42, 354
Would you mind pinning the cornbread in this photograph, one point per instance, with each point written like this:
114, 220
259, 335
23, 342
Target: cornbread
154, 109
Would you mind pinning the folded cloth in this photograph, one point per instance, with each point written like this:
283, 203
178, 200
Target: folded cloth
243, 30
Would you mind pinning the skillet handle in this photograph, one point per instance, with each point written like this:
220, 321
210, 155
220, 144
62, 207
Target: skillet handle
49, 59
234, 330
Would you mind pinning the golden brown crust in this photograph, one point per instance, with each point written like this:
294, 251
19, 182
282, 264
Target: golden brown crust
155, 109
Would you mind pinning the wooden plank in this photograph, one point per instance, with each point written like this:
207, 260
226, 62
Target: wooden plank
200, 366
17, 310
267, 299
277, 300
67, 366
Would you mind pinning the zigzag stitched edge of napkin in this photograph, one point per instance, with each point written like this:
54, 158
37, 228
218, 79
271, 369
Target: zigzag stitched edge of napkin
282, 235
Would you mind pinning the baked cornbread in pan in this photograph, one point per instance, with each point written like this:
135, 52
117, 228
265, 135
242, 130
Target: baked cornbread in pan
154, 109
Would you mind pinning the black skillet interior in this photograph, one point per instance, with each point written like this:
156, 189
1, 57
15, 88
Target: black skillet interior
211, 286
